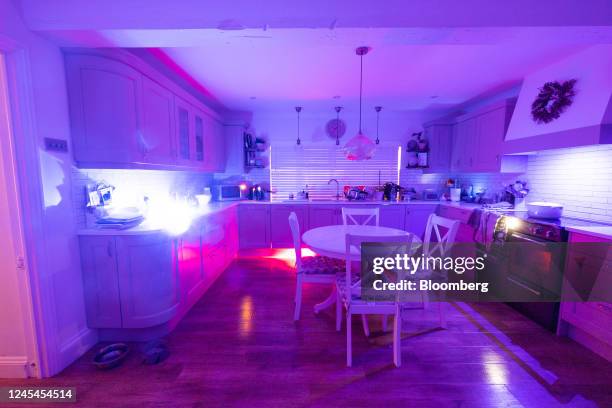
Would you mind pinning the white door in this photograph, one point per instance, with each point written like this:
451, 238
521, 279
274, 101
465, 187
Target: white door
18, 356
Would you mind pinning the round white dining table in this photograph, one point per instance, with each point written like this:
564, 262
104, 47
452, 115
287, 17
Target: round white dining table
331, 240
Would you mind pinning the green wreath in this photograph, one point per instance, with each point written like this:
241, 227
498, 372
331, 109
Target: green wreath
553, 99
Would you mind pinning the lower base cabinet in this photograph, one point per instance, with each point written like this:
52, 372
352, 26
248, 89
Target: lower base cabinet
129, 281
137, 284
280, 232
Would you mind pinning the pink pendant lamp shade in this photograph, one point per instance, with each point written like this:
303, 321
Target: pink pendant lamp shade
360, 147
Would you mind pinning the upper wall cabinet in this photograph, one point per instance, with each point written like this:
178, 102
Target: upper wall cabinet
124, 114
157, 141
478, 140
439, 136
105, 109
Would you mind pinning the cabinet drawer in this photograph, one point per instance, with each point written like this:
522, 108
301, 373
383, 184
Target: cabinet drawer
593, 317
460, 214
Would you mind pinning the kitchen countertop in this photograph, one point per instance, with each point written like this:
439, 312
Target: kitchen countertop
148, 228
603, 231
215, 207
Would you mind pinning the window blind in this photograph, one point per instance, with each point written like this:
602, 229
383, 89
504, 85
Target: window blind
294, 167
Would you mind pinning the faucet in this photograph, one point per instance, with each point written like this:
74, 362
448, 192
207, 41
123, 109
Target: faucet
337, 188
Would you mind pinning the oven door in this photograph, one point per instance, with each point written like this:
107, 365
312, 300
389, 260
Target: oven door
535, 268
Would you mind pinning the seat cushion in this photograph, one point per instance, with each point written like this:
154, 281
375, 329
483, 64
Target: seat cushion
322, 265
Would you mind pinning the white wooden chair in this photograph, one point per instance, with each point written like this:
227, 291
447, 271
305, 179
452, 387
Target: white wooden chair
438, 241
348, 286
310, 269
371, 216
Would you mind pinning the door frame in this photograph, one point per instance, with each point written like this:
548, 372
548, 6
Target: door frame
36, 300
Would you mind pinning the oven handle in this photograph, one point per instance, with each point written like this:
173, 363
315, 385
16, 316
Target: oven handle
528, 239
522, 285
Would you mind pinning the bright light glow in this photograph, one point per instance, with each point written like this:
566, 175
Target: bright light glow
174, 216
399, 163
243, 186
513, 223
285, 255
246, 316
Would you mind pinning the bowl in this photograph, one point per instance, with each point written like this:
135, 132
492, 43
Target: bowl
542, 209
111, 356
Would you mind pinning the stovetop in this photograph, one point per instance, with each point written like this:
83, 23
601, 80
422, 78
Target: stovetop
545, 229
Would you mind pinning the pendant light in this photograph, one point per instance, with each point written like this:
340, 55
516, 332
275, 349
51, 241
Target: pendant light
298, 109
338, 109
378, 109
360, 147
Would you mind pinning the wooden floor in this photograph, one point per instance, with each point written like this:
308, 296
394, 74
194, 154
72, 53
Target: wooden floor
240, 347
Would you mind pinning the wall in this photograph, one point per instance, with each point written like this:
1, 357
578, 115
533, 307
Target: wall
59, 273
131, 186
579, 178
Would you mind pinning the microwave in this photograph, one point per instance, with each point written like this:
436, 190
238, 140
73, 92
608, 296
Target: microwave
230, 192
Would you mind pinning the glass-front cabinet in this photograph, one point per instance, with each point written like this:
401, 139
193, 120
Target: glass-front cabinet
199, 137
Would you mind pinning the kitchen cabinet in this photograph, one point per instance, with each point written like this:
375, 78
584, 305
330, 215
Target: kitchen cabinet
416, 218
440, 138
478, 139
280, 232
158, 118
392, 216
130, 281
189, 259
254, 225
588, 322
464, 144
100, 281
148, 280
321, 215
125, 114
105, 102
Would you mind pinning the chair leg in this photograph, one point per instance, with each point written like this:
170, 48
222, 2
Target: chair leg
298, 299
384, 323
338, 311
366, 328
441, 311
349, 340
397, 339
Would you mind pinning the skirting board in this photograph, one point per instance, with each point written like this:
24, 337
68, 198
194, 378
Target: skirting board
13, 367
74, 348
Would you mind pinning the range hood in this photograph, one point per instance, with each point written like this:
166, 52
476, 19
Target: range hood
587, 121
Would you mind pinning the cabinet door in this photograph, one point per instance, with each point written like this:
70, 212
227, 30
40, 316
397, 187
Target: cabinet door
392, 216
184, 131
416, 219
100, 281
464, 145
280, 232
148, 281
190, 265
254, 225
105, 101
158, 134
490, 132
216, 144
440, 146
323, 215
200, 131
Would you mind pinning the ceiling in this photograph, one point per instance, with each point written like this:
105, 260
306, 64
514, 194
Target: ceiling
273, 58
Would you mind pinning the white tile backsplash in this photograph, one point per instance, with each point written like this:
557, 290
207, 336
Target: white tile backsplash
133, 185
579, 178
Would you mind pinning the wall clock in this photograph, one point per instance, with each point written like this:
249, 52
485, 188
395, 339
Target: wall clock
335, 127
553, 99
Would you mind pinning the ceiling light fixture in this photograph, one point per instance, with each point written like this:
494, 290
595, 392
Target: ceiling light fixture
378, 109
298, 109
360, 147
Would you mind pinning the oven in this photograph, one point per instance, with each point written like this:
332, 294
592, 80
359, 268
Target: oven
525, 267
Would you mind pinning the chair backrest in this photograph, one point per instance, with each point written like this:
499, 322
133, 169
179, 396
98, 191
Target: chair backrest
444, 238
294, 224
355, 241
371, 216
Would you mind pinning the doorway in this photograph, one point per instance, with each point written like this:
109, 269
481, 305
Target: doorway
18, 346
